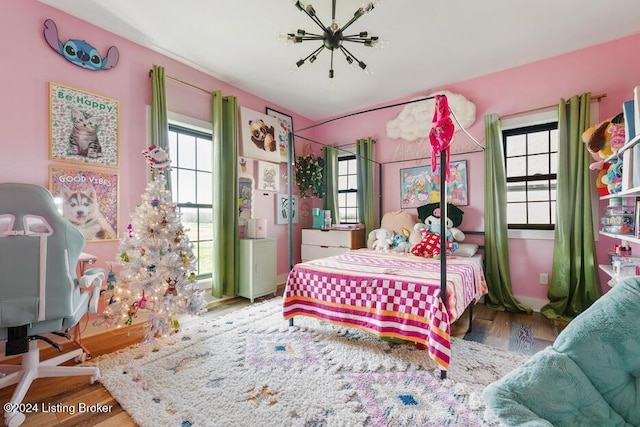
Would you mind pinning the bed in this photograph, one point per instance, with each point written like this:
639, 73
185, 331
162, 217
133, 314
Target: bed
391, 294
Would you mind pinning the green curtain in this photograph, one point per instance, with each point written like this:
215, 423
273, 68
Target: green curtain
497, 272
575, 279
330, 201
224, 122
159, 122
366, 186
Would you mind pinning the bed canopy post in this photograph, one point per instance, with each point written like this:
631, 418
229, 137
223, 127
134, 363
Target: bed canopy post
290, 207
443, 236
379, 193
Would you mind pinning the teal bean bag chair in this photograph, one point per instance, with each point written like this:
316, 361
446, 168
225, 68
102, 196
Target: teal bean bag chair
589, 377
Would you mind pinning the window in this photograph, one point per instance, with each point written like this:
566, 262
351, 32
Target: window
531, 164
348, 189
191, 170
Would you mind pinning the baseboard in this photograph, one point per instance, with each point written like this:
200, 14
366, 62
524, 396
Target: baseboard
535, 303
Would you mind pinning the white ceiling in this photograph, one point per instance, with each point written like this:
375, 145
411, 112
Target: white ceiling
428, 44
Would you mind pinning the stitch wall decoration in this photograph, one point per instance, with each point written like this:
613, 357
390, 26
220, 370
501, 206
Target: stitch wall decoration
79, 52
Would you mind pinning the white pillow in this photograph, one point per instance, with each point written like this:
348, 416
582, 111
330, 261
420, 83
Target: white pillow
466, 250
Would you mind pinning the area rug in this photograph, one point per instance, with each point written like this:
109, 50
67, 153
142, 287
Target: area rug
250, 368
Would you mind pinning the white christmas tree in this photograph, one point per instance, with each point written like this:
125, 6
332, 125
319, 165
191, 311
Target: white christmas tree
158, 263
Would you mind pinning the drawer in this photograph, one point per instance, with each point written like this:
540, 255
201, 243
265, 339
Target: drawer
309, 252
339, 238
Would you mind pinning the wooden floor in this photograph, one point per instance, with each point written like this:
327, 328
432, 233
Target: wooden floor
515, 332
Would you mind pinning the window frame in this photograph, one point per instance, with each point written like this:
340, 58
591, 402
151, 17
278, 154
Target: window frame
197, 129
344, 191
526, 180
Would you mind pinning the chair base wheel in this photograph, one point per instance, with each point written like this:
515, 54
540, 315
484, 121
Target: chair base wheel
14, 419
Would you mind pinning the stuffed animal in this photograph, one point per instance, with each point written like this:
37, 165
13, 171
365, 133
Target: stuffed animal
433, 225
613, 178
401, 243
383, 239
429, 214
605, 138
429, 246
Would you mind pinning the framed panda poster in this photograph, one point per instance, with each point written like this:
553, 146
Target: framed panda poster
259, 139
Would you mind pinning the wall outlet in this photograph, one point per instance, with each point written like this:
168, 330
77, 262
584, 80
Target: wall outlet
544, 279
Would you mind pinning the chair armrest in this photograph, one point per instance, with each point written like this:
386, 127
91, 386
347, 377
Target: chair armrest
92, 282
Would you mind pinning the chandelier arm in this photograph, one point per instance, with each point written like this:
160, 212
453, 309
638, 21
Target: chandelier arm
315, 19
315, 52
355, 17
313, 37
348, 53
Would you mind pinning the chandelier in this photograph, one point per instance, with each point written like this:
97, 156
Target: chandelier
333, 36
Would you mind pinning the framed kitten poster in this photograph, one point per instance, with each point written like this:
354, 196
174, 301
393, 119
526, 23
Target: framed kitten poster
88, 200
83, 127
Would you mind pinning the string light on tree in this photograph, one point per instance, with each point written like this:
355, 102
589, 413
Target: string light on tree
157, 260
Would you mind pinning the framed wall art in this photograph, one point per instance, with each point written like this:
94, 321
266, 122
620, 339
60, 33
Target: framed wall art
245, 198
418, 185
282, 209
284, 129
89, 200
83, 127
259, 135
268, 176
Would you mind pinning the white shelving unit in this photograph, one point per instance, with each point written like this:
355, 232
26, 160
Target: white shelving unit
627, 193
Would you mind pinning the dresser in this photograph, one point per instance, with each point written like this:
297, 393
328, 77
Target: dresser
317, 243
257, 265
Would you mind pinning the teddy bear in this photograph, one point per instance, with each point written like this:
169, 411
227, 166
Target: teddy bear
382, 239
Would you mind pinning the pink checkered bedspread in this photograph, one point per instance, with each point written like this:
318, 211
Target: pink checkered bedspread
388, 293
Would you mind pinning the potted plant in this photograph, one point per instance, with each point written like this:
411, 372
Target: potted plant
309, 170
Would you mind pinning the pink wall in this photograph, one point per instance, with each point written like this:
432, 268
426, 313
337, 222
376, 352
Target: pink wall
519, 89
30, 64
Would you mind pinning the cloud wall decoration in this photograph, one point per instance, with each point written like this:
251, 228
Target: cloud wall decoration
414, 121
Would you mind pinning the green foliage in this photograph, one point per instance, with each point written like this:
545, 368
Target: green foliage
309, 170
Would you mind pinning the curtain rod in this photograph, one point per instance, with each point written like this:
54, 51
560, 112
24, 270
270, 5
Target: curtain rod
186, 84
535, 110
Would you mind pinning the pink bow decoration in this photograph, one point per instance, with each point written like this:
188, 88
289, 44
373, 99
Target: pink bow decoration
441, 133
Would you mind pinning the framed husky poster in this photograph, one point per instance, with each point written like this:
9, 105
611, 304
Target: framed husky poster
83, 127
88, 200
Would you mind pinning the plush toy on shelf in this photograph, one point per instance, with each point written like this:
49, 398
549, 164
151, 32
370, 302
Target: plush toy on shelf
603, 140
